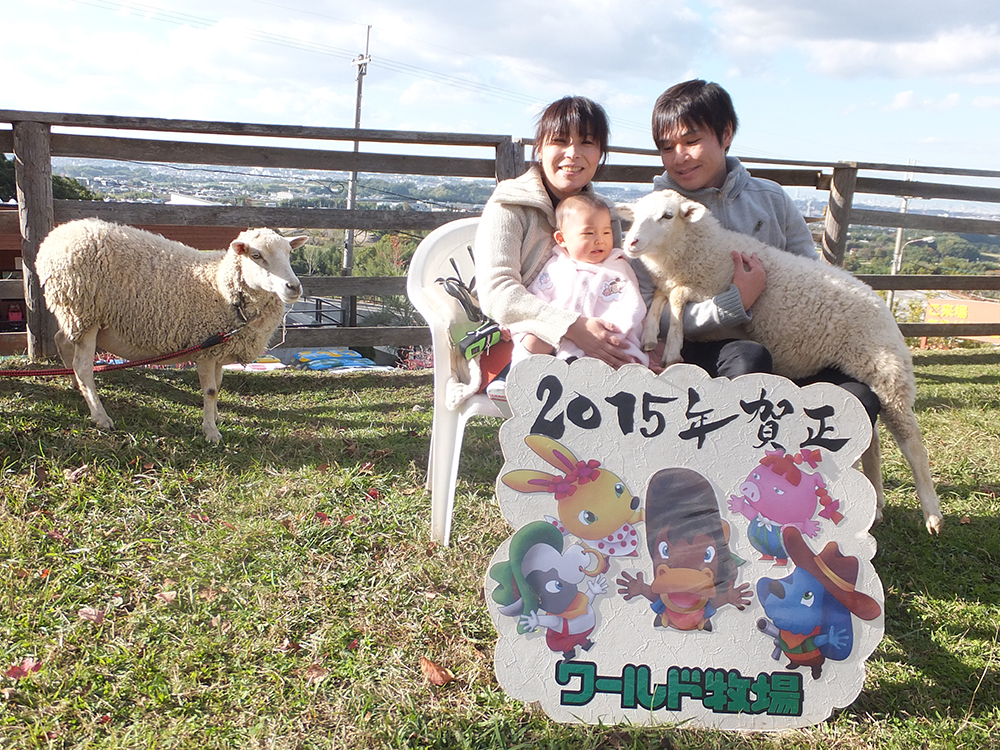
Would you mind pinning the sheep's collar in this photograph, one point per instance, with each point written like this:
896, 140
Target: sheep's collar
240, 307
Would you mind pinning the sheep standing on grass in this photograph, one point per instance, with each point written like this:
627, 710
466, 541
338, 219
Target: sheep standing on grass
139, 295
810, 316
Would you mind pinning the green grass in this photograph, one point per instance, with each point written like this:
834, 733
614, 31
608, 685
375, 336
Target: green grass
298, 588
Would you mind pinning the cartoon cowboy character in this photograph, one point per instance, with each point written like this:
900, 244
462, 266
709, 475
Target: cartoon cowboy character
810, 610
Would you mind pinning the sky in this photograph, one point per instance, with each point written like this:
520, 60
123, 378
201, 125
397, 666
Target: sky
895, 81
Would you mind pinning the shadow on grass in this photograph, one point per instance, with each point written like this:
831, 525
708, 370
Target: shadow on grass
922, 575
345, 418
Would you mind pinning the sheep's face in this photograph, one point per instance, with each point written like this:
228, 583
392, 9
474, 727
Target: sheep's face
266, 262
656, 220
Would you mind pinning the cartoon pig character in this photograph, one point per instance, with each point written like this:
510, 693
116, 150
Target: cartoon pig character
778, 493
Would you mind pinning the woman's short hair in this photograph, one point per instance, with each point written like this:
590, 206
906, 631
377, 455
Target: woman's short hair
571, 113
693, 104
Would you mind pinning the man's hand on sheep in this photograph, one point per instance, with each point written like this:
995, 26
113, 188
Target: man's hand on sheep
749, 277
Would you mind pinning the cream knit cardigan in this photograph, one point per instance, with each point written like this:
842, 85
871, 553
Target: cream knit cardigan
513, 243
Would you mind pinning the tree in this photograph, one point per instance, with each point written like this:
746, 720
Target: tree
63, 188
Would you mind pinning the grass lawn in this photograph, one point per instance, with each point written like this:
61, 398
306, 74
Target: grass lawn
280, 589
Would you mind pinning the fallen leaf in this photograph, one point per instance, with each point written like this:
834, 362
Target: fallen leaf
353, 645
224, 626
322, 517
208, 594
199, 517
73, 475
90, 614
346, 520
166, 597
435, 674
315, 673
372, 493
323, 468
965, 520
106, 719
58, 536
289, 647
367, 467
26, 667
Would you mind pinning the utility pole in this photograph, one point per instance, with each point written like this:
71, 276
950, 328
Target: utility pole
351, 303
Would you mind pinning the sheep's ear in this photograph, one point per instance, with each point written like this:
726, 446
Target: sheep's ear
297, 241
692, 211
239, 247
624, 211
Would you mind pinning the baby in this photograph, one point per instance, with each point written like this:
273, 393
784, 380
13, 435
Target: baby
588, 275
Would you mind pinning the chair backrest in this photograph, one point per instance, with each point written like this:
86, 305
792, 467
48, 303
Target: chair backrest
433, 260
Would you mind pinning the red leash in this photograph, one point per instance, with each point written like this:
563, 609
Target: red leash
206, 344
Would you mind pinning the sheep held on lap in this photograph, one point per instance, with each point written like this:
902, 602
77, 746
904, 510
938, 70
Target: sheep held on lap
839, 322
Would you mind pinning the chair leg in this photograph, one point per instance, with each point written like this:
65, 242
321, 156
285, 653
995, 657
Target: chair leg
446, 448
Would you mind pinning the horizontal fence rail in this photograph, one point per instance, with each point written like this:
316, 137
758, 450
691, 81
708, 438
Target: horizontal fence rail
36, 137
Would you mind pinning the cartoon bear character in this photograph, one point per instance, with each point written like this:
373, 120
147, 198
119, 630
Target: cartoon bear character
539, 583
694, 573
809, 612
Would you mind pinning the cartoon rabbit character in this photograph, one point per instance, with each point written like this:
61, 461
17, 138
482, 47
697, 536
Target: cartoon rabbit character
778, 493
593, 503
810, 610
694, 573
539, 582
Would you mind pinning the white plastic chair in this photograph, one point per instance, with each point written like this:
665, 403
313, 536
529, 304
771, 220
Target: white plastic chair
433, 260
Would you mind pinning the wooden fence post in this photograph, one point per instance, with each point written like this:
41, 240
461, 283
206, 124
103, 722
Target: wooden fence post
838, 215
510, 159
33, 176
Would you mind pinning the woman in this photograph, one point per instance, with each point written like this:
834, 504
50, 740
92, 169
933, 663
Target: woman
514, 238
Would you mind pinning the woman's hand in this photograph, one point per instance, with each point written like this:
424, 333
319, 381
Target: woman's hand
749, 277
599, 339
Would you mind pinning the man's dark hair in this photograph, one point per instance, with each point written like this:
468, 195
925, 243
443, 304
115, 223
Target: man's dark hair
571, 113
690, 105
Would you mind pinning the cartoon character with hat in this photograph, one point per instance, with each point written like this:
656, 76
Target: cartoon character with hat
810, 610
694, 573
539, 582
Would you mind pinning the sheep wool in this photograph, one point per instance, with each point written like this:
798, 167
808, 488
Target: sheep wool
137, 294
810, 316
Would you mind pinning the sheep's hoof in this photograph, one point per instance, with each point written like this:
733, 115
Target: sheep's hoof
104, 423
213, 437
934, 524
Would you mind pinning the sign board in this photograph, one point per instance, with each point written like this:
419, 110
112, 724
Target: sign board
684, 549
953, 310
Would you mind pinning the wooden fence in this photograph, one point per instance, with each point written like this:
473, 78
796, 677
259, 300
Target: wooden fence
34, 138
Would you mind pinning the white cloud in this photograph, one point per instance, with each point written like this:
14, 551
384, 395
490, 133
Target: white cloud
909, 100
